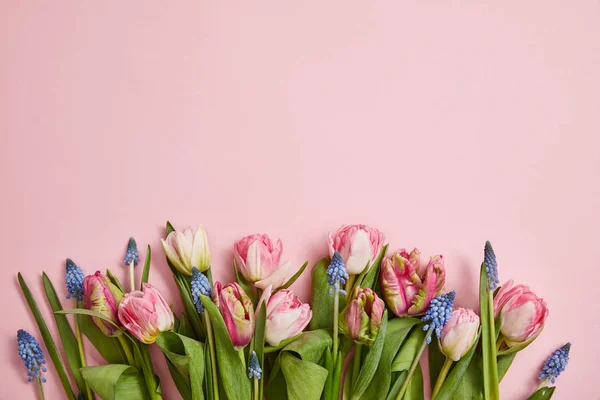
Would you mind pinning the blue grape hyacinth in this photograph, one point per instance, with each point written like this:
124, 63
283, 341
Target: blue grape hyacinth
254, 370
132, 253
200, 285
74, 280
32, 356
491, 266
556, 363
337, 273
438, 313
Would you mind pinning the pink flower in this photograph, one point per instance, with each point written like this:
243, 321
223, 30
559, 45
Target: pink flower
459, 333
102, 296
145, 314
523, 313
257, 259
236, 308
287, 316
359, 246
361, 318
407, 287
187, 249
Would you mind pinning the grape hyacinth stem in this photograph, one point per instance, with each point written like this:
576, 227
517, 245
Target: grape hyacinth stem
415, 363
78, 304
40, 388
256, 393
132, 275
213, 360
336, 311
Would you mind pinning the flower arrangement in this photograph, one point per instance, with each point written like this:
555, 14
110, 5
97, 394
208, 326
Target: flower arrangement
371, 317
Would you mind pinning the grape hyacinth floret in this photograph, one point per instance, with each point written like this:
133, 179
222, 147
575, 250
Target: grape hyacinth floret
491, 266
74, 280
200, 285
254, 370
32, 356
132, 253
337, 273
438, 313
556, 363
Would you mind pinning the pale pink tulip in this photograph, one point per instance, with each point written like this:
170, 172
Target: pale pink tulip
187, 249
459, 333
287, 316
257, 259
359, 246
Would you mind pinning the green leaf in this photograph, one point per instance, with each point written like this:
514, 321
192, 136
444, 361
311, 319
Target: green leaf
471, 385
188, 304
231, 369
304, 380
146, 272
115, 281
187, 357
239, 278
310, 345
415, 391
116, 382
456, 375
328, 361
185, 328
321, 300
395, 389
504, 363
259, 339
369, 366
396, 332
408, 351
543, 393
67, 337
371, 278
272, 349
337, 376
436, 361
169, 228
182, 386
47, 337
488, 340
83, 311
293, 279
520, 346
108, 347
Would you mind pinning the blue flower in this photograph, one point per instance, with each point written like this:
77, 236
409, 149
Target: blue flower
254, 370
32, 356
491, 266
556, 363
132, 253
337, 273
438, 313
74, 279
200, 285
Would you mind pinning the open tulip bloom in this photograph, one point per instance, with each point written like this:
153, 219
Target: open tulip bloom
361, 336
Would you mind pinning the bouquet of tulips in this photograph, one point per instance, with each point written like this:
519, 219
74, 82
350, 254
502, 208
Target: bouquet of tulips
372, 315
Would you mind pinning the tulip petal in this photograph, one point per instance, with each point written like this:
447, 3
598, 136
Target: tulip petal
253, 270
360, 253
171, 252
184, 249
277, 278
200, 257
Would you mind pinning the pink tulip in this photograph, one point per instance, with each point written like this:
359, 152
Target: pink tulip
287, 316
188, 249
236, 308
257, 259
102, 296
407, 287
359, 246
361, 318
459, 333
523, 313
145, 314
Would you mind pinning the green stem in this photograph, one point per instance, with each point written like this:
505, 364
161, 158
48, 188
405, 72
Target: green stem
40, 388
153, 384
213, 359
494, 390
132, 275
414, 365
442, 377
542, 384
256, 394
499, 342
356, 363
127, 350
336, 307
242, 357
350, 283
90, 396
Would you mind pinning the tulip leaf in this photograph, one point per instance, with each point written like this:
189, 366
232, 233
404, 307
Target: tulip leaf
231, 369
520, 346
415, 391
321, 300
304, 380
471, 384
369, 365
310, 345
258, 341
436, 360
396, 332
185, 328
504, 363
146, 272
408, 351
180, 383
47, 337
457, 373
328, 364
395, 389
272, 349
170, 228
187, 357
488, 339
544, 393
114, 280
371, 278
293, 279
67, 337
116, 382
185, 292
246, 286
95, 314
108, 347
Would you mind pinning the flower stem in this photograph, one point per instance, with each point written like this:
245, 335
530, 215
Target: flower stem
499, 342
40, 388
356, 363
213, 359
350, 283
79, 339
336, 307
256, 393
495, 390
127, 350
414, 365
132, 275
242, 357
442, 377
543, 383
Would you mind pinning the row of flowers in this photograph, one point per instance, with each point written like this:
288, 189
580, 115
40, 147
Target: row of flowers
249, 327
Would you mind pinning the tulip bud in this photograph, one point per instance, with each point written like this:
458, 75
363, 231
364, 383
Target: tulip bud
407, 287
459, 333
187, 249
287, 316
145, 314
361, 318
102, 296
359, 246
236, 308
523, 313
257, 259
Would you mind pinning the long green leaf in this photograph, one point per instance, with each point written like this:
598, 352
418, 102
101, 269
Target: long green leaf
281, 345
108, 347
371, 278
456, 375
395, 389
115, 281
47, 337
67, 337
543, 393
170, 228
259, 339
293, 279
239, 278
146, 272
180, 383
115, 382
231, 369
83, 311
304, 380
415, 391
408, 351
488, 340
436, 361
321, 300
504, 363
371, 361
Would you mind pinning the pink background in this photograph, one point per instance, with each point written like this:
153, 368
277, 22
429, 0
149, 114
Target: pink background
441, 124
